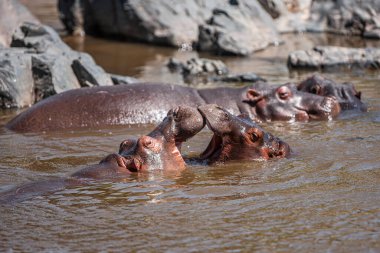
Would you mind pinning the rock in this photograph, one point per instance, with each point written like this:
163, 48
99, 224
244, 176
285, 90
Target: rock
39, 64
184, 23
87, 72
117, 79
196, 66
202, 70
328, 56
12, 15
237, 31
16, 80
348, 17
197, 70
354, 17
52, 74
290, 15
70, 14
39, 38
239, 78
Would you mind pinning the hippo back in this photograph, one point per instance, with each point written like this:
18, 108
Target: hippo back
104, 105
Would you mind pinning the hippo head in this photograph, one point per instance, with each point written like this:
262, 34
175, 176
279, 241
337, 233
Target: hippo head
161, 148
238, 138
287, 103
345, 93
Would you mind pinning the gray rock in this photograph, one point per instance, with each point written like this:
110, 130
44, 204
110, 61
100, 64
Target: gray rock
238, 31
196, 66
348, 17
39, 38
239, 78
52, 74
39, 64
182, 23
202, 70
117, 79
328, 56
12, 15
16, 80
87, 72
197, 70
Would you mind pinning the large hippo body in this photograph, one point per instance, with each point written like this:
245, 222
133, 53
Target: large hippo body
148, 103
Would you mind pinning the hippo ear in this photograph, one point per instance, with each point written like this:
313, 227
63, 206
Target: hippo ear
253, 96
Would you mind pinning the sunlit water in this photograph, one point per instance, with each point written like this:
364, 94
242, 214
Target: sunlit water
326, 198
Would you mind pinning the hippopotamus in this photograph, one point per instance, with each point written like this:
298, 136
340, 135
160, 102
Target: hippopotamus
159, 150
238, 138
345, 93
148, 103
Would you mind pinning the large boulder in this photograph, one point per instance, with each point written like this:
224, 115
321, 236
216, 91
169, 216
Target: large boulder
348, 17
39, 64
290, 15
16, 80
52, 74
238, 30
242, 25
12, 15
38, 38
329, 56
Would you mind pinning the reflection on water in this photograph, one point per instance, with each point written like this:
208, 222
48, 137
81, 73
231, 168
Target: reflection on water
324, 198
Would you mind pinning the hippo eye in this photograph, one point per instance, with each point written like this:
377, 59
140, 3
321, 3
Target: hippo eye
255, 137
284, 92
315, 89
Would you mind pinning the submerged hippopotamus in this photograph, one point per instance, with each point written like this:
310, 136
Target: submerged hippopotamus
238, 138
160, 149
345, 93
148, 103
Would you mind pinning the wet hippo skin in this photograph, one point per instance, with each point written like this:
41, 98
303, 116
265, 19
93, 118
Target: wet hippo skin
348, 97
238, 138
148, 103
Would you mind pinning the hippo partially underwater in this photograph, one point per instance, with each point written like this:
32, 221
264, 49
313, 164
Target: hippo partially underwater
348, 97
235, 138
149, 102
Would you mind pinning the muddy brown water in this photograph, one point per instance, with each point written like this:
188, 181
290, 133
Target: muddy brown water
326, 198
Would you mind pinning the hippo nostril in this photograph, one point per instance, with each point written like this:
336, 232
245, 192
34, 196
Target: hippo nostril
147, 143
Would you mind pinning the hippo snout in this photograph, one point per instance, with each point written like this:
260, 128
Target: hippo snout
275, 147
149, 143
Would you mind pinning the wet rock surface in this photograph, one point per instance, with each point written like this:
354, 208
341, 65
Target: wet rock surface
329, 56
246, 27
118, 79
16, 80
347, 17
12, 15
237, 31
350, 17
203, 70
39, 64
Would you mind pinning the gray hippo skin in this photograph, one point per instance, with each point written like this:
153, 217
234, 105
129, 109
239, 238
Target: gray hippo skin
348, 97
159, 150
148, 103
